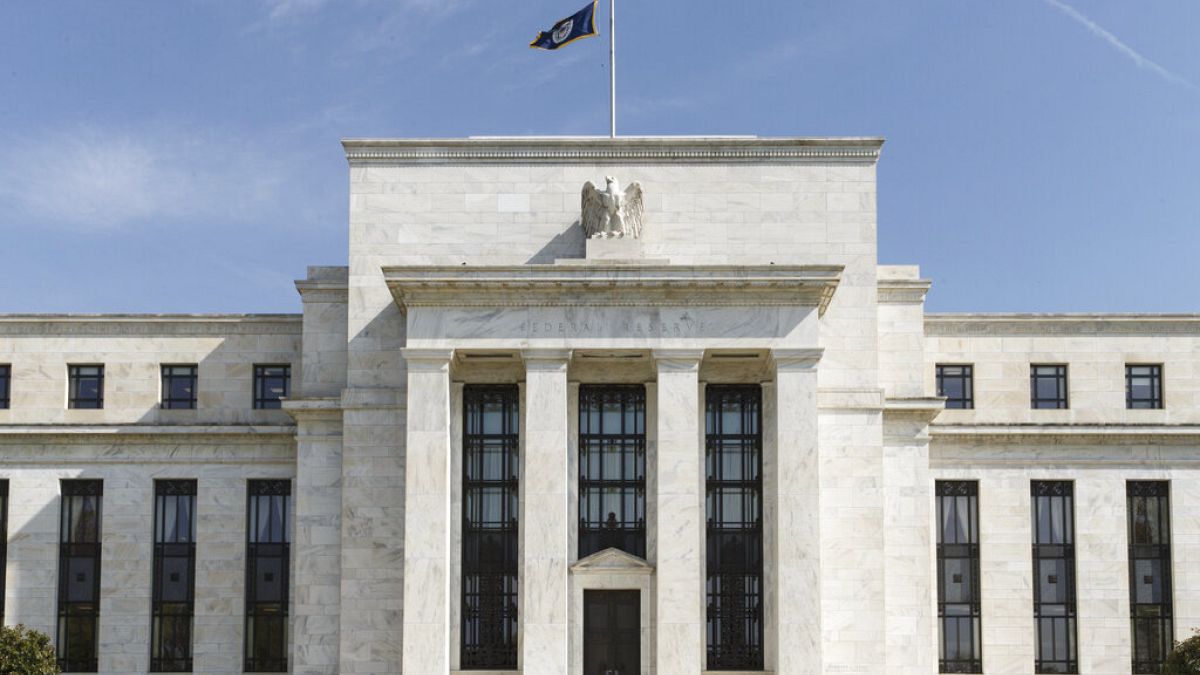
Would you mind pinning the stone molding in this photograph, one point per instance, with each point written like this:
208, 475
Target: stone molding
797, 359
150, 324
903, 291
677, 360
924, 408
588, 150
1068, 434
323, 408
546, 359
612, 561
848, 399
427, 360
614, 285
157, 433
966, 325
367, 398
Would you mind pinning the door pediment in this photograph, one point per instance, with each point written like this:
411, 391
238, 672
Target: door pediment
612, 560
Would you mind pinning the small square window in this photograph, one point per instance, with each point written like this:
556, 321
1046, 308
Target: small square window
5, 384
957, 384
1047, 387
179, 387
86, 387
1143, 386
271, 383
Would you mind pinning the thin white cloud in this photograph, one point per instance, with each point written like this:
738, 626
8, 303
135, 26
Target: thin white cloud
1115, 43
90, 180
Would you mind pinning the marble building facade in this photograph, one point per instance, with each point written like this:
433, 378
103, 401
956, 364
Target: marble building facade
904, 492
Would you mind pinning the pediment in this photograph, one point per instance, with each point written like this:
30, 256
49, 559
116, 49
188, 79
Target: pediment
612, 560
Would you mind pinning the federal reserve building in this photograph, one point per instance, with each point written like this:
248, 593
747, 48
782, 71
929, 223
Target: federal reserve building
592, 406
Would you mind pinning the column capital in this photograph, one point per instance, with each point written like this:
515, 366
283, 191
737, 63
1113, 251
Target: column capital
545, 358
427, 359
677, 359
797, 359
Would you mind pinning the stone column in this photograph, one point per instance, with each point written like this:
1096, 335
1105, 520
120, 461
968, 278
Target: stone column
792, 488
427, 513
545, 523
679, 502
316, 548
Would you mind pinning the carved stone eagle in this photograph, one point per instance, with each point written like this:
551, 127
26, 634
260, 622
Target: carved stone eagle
611, 212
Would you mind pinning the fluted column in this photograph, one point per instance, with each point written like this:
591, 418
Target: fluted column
545, 520
427, 513
793, 489
679, 501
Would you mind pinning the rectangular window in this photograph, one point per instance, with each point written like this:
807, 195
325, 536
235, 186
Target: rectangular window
271, 383
491, 465
1054, 576
957, 384
3, 544
86, 387
179, 387
612, 468
267, 568
1143, 387
79, 575
959, 602
174, 576
1047, 387
734, 536
5, 385
1149, 514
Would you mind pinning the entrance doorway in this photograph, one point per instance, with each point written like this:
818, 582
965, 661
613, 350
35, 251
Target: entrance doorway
612, 642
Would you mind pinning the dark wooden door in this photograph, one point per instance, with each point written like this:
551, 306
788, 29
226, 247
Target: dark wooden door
612, 627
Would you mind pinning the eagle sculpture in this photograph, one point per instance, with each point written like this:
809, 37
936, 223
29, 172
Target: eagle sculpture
611, 212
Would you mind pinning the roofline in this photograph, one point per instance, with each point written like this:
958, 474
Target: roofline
150, 318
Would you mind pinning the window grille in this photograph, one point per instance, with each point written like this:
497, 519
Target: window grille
1047, 387
86, 387
79, 575
178, 387
173, 600
271, 384
267, 575
612, 469
959, 604
1143, 387
1150, 582
1054, 609
957, 384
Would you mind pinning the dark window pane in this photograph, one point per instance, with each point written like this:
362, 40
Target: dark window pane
3, 542
956, 383
1054, 571
79, 575
959, 608
179, 387
267, 575
1143, 387
86, 385
1151, 621
612, 469
1048, 386
271, 383
5, 385
174, 570
734, 536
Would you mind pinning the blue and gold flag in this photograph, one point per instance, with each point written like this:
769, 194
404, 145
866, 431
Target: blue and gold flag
581, 24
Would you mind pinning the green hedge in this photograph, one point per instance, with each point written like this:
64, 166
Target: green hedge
1185, 658
26, 652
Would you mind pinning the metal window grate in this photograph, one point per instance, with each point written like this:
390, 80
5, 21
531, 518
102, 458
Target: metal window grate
959, 597
267, 575
86, 387
612, 468
491, 466
271, 384
734, 537
79, 576
173, 599
1048, 387
1150, 582
1143, 387
1054, 600
178, 387
3, 543
957, 384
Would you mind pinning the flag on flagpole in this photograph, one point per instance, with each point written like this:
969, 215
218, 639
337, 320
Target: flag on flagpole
581, 24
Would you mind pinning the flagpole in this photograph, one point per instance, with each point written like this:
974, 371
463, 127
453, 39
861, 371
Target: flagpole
612, 67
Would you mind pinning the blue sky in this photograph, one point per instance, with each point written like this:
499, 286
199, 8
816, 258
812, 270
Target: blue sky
183, 156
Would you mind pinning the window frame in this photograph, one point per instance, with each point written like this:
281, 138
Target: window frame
184, 547
952, 491
74, 378
1061, 376
166, 400
1155, 401
966, 376
3, 544
1160, 613
256, 552
5, 386
625, 531
1053, 551
70, 550
489, 594
725, 578
263, 402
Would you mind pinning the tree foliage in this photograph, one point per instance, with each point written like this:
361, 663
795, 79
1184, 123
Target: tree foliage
24, 651
1184, 659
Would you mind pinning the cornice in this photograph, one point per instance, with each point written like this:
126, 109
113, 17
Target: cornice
903, 291
150, 324
1068, 434
955, 325
613, 285
640, 150
922, 410
149, 433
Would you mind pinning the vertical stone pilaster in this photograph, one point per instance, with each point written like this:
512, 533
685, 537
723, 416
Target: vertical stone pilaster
427, 513
793, 489
317, 550
545, 523
679, 604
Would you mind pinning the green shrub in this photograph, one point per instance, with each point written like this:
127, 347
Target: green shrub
24, 651
1184, 659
